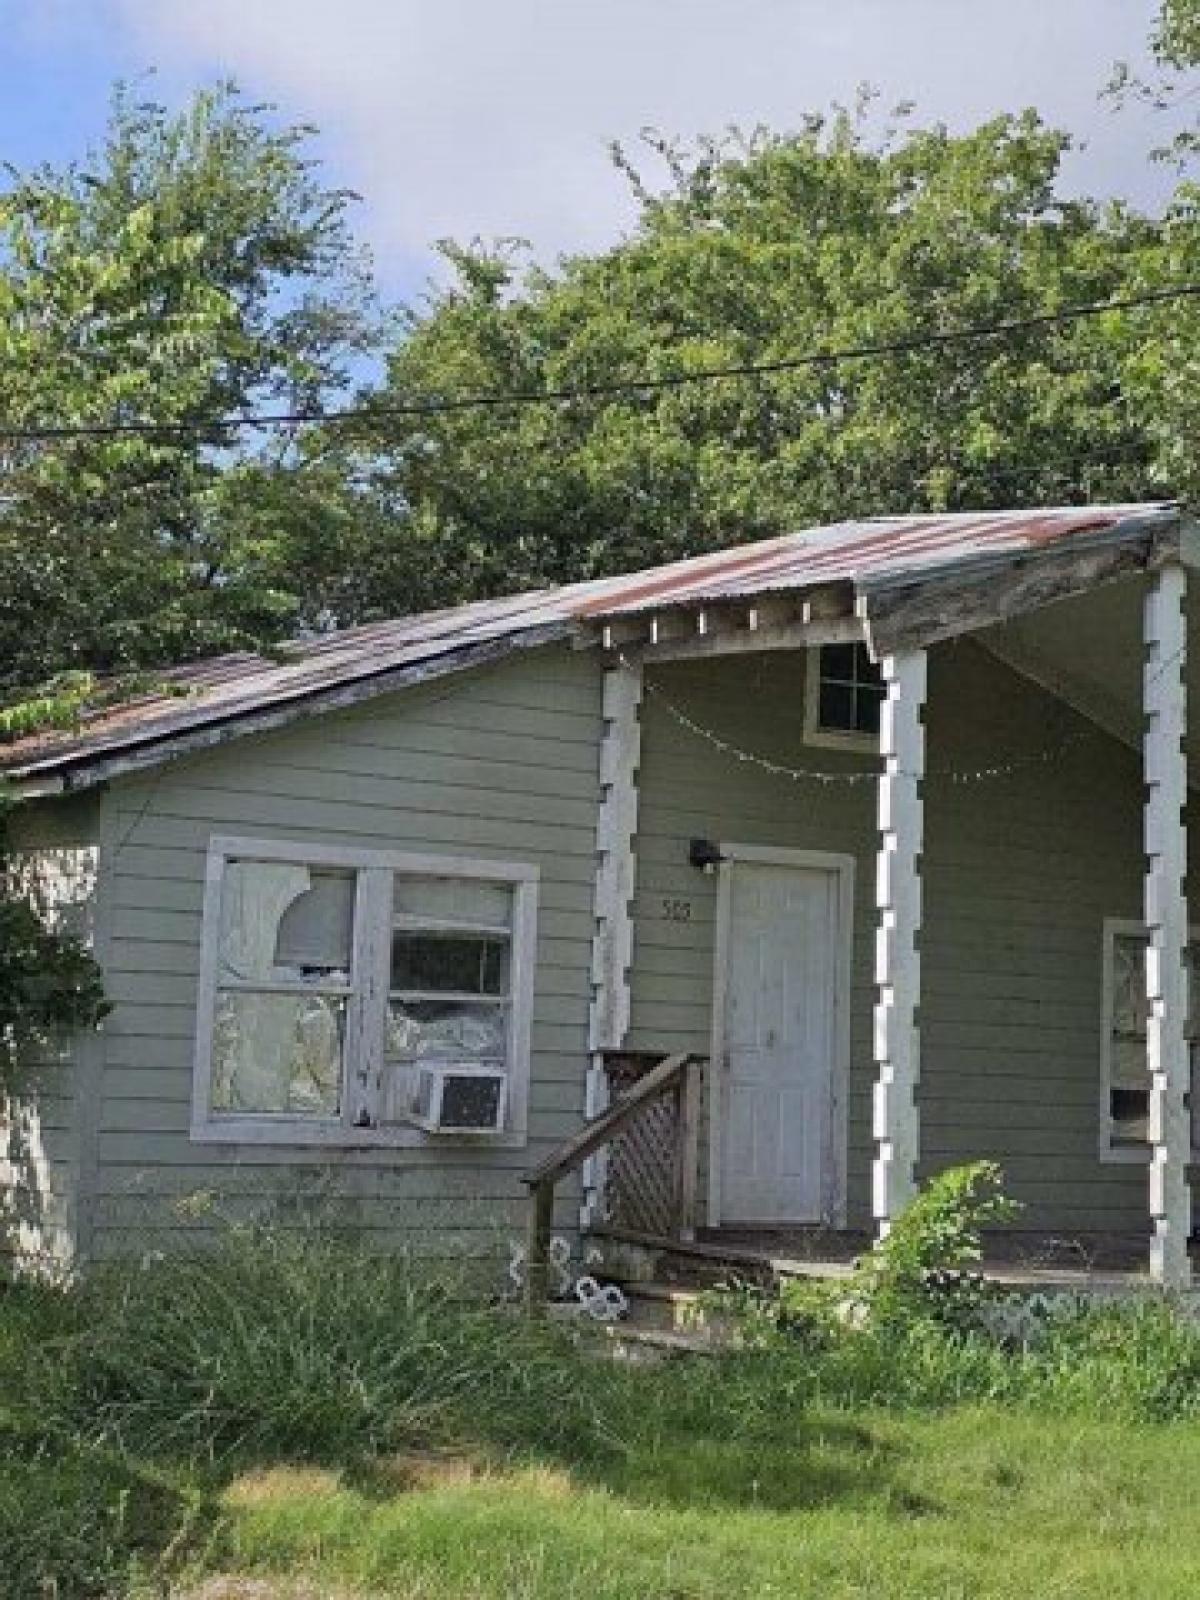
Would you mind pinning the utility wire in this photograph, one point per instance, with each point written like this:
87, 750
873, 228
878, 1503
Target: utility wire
435, 405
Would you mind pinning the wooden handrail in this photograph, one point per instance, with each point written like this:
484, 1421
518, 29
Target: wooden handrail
677, 1073
575, 1151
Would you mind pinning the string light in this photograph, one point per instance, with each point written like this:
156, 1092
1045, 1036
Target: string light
777, 769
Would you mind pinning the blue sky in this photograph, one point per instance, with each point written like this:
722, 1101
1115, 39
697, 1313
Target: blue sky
487, 117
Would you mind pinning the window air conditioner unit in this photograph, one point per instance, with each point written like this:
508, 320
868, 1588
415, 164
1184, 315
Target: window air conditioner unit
460, 1099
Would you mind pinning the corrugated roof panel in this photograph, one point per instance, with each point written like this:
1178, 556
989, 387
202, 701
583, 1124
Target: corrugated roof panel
863, 553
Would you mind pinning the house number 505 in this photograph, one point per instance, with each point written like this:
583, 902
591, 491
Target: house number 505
677, 910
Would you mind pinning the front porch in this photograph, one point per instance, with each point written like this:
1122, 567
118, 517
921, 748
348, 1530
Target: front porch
1102, 1265
959, 899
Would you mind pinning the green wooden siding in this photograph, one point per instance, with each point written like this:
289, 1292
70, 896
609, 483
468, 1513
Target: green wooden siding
1019, 873
500, 763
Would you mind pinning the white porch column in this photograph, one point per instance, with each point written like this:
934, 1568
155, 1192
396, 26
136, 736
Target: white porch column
897, 957
616, 875
1164, 700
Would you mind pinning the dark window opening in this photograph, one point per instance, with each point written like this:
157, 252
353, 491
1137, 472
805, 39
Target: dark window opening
851, 690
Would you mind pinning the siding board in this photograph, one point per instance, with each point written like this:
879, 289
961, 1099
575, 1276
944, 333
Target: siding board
503, 766
1019, 874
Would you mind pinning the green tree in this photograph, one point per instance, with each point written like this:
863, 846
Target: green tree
757, 248
1160, 366
1176, 38
195, 268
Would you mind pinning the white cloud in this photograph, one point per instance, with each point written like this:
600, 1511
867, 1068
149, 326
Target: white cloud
465, 117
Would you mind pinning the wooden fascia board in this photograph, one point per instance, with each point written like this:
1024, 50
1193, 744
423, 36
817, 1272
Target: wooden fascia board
795, 636
923, 610
67, 773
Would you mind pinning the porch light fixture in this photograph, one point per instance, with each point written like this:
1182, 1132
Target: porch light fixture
706, 855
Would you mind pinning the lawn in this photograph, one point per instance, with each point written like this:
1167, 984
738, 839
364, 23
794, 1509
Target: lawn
284, 1417
975, 1504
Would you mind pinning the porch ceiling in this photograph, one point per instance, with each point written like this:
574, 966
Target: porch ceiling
1087, 649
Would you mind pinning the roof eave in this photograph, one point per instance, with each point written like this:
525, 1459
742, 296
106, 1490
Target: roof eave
915, 610
72, 769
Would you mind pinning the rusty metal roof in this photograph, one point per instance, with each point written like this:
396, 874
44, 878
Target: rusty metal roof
868, 554
216, 699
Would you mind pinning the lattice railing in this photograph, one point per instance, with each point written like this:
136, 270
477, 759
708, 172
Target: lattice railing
642, 1178
650, 1131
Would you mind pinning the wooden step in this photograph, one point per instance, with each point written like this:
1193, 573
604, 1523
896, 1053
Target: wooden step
645, 1346
671, 1308
629, 1258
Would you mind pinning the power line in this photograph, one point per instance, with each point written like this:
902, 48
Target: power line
435, 405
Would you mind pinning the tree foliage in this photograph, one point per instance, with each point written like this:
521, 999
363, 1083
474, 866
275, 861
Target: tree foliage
195, 268
755, 249
48, 979
1176, 38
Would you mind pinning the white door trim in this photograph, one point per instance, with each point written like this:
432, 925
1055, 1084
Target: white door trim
833, 1178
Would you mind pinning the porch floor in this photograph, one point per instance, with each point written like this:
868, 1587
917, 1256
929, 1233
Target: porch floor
1016, 1257
1023, 1259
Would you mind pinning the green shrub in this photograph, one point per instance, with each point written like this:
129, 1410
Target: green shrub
910, 1329
927, 1265
924, 1270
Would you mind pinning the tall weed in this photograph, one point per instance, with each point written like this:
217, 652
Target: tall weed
298, 1344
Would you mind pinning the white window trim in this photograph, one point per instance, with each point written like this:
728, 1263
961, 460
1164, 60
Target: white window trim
1111, 1154
366, 1007
814, 733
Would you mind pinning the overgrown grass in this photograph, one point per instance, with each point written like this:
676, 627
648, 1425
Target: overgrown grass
284, 1404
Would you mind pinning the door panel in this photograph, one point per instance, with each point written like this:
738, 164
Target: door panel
780, 999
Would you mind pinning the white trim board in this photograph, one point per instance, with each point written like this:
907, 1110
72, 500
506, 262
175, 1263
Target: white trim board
834, 1178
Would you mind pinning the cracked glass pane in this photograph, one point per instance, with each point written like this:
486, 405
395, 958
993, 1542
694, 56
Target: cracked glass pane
285, 923
278, 1052
438, 1030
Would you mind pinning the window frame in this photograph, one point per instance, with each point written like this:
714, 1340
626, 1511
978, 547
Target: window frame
366, 1005
1117, 1154
814, 732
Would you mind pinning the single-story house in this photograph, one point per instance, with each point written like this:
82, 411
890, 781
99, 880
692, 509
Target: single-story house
887, 821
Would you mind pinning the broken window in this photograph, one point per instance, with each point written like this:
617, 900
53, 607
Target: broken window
283, 979
332, 993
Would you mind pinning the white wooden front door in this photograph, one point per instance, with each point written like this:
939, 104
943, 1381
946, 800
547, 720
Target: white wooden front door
782, 955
